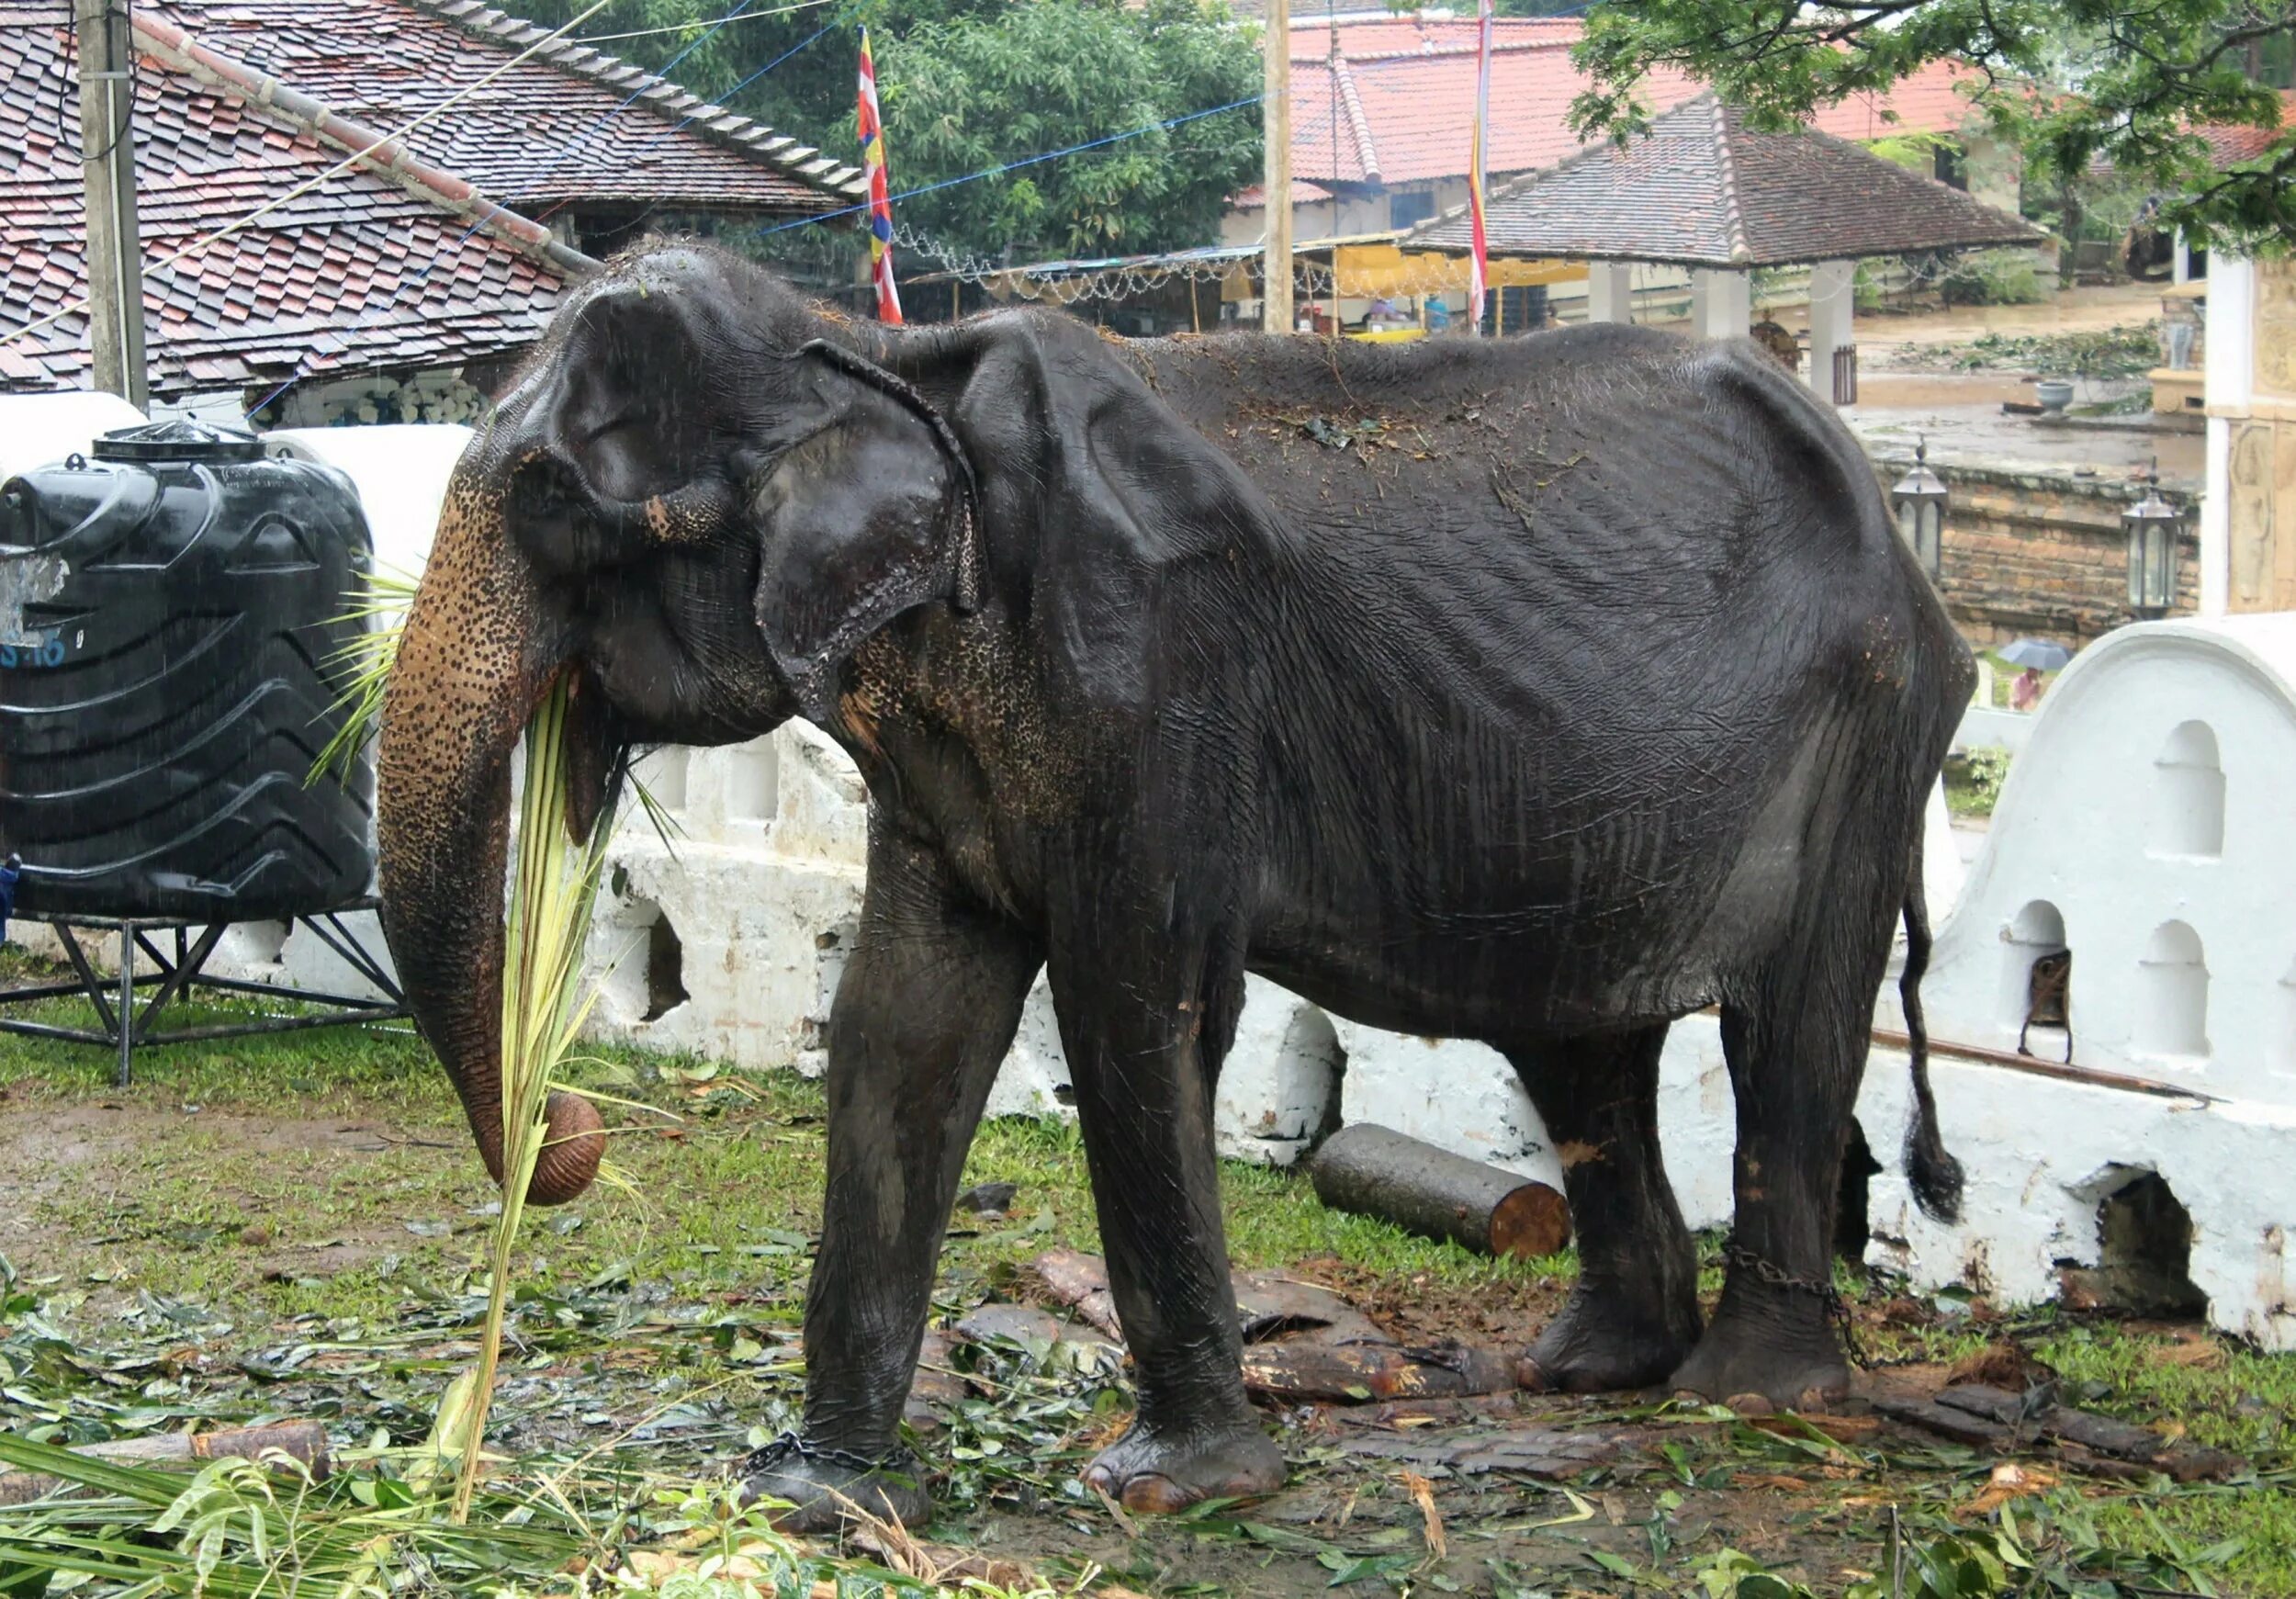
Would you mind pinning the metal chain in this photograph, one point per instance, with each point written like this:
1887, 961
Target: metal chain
1837, 1308
768, 1456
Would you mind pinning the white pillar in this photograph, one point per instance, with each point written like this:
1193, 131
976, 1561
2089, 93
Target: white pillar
1610, 295
1722, 304
1833, 300
2179, 259
2228, 379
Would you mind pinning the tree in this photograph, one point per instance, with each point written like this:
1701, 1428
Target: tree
968, 85
970, 93
2074, 82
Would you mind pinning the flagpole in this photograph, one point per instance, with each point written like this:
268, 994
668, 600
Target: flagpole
872, 144
1478, 265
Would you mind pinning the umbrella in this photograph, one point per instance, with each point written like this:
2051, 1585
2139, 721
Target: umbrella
2035, 652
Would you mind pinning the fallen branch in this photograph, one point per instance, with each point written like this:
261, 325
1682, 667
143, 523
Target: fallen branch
1339, 1373
304, 1442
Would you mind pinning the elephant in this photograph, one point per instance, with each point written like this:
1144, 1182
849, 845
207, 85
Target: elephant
1535, 691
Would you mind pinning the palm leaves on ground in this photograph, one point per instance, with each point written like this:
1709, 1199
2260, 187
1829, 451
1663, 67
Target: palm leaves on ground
378, 1529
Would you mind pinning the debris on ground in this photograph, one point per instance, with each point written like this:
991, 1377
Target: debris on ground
1994, 1418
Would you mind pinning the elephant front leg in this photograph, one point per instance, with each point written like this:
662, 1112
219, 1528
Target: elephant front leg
924, 1015
1132, 1021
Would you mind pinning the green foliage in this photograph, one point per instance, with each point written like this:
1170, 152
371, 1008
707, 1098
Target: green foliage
967, 94
371, 615
2127, 83
1991, 277
970, 84
1916, 149
1865, 287
1972, 781
2125, 350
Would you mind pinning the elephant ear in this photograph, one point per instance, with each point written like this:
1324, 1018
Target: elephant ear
866, 516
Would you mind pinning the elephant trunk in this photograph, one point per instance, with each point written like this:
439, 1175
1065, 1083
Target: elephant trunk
473, 661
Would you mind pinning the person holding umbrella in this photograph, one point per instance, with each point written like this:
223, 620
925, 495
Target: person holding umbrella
2035, 656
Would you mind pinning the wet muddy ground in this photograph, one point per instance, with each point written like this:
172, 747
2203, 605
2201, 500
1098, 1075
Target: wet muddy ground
293, 1228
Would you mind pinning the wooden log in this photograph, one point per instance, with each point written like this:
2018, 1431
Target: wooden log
1377, 1171
304, 1441
1338, 1373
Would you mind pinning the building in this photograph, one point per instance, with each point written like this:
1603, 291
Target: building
399, 288
1382, 119
2248, 516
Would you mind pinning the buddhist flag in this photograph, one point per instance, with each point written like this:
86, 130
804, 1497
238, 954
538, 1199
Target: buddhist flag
872, 144
1479, 267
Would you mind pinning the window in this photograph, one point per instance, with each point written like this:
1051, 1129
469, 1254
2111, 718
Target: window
1406, 210
2281, 1052
663, 775
2189, 796
2172, 995
2036, 982
1949, 168
753, 775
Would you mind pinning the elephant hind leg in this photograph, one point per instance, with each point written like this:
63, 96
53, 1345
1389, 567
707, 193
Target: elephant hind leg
1796, 1041
1633, 1317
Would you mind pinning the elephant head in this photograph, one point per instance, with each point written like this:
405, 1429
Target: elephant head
700, 497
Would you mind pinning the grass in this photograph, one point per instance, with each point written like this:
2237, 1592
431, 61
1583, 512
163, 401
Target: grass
309, 1208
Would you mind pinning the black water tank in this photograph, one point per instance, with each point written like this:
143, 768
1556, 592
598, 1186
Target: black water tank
167, 633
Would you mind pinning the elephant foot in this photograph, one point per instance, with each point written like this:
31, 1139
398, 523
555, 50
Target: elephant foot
825, 1489
1600, 1344
1157, 1476
1793, 1370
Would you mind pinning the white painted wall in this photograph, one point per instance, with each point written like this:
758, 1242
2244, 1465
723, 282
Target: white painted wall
40, 429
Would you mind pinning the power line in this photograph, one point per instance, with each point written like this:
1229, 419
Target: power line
949, 182
736, 16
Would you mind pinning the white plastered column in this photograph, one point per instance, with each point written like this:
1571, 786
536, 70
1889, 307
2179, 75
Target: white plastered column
1610, 295
1833, 304
1721, 303
2228, 379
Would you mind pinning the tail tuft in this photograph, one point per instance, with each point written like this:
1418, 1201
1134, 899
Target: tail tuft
1932, 1171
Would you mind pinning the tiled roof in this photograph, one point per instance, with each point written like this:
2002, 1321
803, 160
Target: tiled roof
537, 134
2230, 142
378, 268
1700, 188
1397, 104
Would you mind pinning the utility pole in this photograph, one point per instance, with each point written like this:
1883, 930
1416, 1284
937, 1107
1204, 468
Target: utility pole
1276, 134
115, 259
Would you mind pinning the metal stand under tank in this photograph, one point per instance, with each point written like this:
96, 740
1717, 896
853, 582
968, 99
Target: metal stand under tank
122, 1027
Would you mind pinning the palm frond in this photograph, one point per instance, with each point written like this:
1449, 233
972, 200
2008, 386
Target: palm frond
377, 611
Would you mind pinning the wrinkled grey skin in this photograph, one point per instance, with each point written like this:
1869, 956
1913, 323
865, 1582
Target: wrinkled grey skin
1533, 690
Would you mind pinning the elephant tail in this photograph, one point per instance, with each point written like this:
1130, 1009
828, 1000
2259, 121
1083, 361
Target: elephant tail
1934, 1174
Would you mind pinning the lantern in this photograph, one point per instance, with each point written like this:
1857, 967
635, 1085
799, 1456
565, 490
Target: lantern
2152, 524
1919, 501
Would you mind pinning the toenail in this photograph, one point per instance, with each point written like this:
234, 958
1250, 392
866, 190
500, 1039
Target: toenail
1153, 1494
